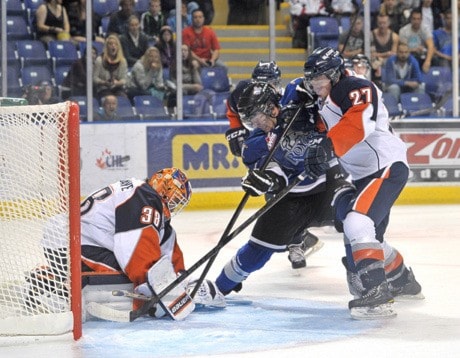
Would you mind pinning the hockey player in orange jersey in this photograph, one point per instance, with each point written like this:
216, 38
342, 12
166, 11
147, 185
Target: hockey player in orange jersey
360, 135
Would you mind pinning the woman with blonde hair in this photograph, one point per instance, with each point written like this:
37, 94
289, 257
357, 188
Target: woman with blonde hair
147, 75
110, 72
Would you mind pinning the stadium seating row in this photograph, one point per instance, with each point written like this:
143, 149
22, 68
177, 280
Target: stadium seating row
204, 105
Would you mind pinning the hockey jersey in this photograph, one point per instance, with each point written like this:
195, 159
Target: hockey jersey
289, 158
127, 218
358, 125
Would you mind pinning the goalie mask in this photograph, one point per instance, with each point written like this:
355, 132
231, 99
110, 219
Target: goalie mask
257, 105
174, 188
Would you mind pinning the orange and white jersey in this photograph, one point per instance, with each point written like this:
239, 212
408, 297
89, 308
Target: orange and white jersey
127, 218
358, 125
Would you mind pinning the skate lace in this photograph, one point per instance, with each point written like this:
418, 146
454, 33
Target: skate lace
296, 252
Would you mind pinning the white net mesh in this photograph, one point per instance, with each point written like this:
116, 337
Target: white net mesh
34, 212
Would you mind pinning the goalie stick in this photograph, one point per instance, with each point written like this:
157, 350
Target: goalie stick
134, 314
245, 199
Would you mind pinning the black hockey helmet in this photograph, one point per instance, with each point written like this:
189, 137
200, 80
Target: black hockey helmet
360, 59
266, 71
324, 61
257, 97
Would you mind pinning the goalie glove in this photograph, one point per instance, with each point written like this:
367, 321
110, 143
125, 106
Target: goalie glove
235, 138
319, 156
257, 182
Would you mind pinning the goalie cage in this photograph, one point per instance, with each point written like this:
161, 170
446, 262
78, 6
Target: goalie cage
40, 285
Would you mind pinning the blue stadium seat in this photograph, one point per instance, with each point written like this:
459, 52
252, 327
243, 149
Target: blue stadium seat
125, 108
416, 104
324, 31
14, 83
196, 106
32, 52
219, 104
215, 78
62, 53
17, 28
438, 80
150, 107
141, 6
16, 7
82, 102
392, 105
98, 45
32, 75
105, 7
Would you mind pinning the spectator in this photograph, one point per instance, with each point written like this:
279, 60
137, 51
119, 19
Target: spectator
118, 22
244, 12
110, 69
341, 8
301, 12
208, 10
166, 46
402, 73
76, 12
41, 93
442, 39
52, 22
191, 79
419, 40
152, 21
185, 16
431, 16
147, 76
202, 41
384, 42
351, 42
134, 42
75, 80
108, 109
395, 12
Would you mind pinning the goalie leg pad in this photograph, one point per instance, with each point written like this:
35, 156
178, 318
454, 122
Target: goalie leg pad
177, 302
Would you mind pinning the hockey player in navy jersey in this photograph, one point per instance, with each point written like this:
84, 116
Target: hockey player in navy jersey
305, 243
359, 134
307, 204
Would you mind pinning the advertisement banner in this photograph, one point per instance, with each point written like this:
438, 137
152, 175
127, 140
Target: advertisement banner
200, 149
433, 156
110, 152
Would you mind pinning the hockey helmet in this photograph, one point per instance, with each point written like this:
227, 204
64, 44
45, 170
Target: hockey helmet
256, 98
174, 188
266, 71
324, 61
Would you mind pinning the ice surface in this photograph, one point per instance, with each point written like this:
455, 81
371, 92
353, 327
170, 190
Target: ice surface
304, 313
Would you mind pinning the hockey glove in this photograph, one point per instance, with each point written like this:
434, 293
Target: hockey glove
305, 96
319, 156
257, 182
235, 138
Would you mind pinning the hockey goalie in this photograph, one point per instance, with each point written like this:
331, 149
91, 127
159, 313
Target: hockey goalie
126, 233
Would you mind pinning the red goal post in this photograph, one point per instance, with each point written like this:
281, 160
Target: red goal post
40, 269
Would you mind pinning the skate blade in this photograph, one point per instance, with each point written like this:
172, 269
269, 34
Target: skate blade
311, 250
378, 312
403, 298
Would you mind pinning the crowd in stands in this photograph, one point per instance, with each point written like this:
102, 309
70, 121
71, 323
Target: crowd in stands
134, 49
410, 39
133, 52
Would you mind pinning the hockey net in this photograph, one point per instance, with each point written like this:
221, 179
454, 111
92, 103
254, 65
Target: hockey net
40, 285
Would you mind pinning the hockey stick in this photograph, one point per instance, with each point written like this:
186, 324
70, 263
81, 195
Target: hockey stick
244, 200
134, 314
422, 112
345, 43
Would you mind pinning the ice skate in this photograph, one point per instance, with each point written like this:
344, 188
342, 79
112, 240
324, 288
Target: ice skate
296, 256
207, 294
374, 304
311, 243
410, 289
